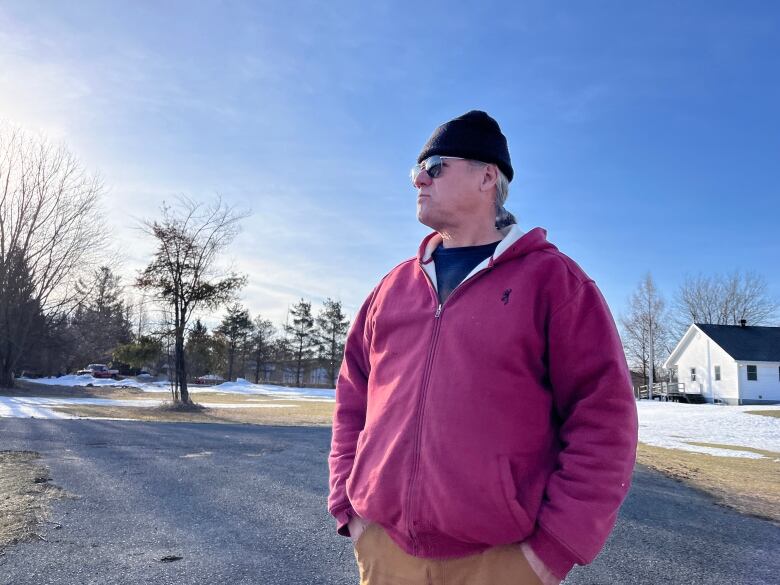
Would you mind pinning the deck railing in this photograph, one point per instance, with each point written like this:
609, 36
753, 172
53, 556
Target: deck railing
666, 390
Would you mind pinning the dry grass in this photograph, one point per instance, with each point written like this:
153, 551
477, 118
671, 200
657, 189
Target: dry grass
229, 398
772, 413
23, 388
25, 496
750, 486
299, 413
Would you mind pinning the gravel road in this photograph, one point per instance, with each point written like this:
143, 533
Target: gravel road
245, 504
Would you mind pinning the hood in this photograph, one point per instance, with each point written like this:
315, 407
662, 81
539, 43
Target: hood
515, 243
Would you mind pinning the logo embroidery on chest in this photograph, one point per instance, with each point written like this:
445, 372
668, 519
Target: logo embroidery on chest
505, 298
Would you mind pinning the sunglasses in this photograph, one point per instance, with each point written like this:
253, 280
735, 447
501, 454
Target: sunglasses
431, 165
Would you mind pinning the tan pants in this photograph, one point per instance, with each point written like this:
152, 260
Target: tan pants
382, 562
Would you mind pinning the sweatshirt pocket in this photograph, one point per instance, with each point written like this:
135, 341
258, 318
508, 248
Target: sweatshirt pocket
475, 503
357, 463
518, 513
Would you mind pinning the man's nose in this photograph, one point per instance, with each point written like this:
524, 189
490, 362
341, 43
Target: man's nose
423, 178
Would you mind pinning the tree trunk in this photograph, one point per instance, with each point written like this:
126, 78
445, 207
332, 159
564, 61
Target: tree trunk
332, 364
6, 377
298, 360
181, 368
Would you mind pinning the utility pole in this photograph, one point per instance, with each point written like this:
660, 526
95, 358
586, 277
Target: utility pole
652, 361
652, 348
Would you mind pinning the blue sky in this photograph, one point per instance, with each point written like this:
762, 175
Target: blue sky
644, 137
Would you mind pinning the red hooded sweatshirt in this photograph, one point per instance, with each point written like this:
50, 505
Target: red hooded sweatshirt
503, 415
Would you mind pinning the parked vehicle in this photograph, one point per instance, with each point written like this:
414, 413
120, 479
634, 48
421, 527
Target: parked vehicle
210, 379
98, 371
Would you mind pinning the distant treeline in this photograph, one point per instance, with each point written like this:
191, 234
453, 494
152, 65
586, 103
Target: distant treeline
62, 305
106, 327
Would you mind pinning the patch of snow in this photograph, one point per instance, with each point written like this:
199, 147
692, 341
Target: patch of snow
21, 408
240, 386
73, 380
40, 407
674, 426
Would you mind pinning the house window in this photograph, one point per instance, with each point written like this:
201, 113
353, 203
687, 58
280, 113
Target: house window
752, 372
693, 374
717, 373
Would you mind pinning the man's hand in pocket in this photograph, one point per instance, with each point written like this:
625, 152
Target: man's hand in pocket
356, 527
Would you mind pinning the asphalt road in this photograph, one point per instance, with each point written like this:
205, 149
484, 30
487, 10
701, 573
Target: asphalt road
245, 504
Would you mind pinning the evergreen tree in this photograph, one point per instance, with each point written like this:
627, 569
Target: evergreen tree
235, 329
101, 321
201, 350
282, 356
261, 341
143, 352
22, 323
332, 327
303, 340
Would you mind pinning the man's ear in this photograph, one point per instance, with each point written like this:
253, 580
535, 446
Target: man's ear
489, 177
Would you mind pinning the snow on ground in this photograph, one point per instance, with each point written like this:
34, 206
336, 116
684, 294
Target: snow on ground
40, 407
663, 424
240, 386
86, 380
673, 425
37, 407
26, 407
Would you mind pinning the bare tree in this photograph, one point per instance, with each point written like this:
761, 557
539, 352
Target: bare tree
48, 225
184, 274
644, 329
724, 300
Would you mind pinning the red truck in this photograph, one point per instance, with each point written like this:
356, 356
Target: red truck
98, 371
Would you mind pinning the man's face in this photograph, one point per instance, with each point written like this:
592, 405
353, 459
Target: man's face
453, 198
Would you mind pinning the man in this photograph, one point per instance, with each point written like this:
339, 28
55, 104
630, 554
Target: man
485, 428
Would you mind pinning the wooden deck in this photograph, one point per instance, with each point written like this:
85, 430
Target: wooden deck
672, 392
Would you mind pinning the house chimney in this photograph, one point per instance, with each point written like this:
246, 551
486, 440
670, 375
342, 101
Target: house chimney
742, 322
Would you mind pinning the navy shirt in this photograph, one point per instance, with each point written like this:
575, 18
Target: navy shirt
454, 264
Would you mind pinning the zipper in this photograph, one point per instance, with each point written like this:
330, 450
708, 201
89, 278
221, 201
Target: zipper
418, 432
421, 401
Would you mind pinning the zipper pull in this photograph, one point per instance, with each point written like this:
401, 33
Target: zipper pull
438, 312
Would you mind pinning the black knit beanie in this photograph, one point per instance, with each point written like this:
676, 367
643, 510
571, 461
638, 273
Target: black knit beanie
475, 136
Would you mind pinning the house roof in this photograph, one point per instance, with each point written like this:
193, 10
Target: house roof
760, 344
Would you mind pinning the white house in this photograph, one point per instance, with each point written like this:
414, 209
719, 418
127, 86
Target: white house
730, 364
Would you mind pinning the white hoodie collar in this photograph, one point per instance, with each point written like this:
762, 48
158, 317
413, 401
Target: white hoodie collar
510, 233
